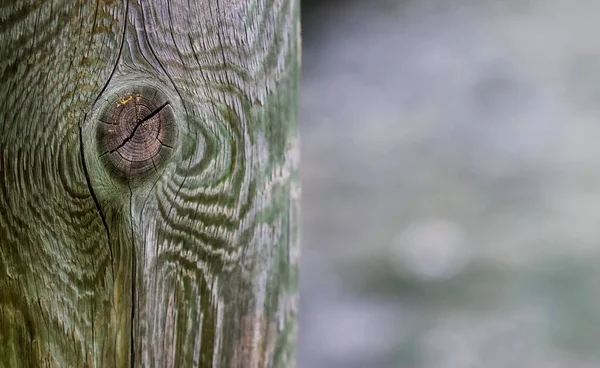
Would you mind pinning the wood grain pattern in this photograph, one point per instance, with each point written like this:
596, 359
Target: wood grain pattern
193, 266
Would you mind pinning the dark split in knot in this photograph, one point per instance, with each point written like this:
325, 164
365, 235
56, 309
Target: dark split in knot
137, 133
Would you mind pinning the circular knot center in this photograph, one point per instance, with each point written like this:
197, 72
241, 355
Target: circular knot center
137, 133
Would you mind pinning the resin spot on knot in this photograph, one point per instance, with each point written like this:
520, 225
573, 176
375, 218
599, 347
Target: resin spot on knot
136, 133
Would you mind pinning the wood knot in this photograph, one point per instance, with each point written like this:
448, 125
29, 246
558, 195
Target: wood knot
137, 133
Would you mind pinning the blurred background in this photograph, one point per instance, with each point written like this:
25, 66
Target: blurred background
451, 184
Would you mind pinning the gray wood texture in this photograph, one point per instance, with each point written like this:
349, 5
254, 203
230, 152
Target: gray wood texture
194, 263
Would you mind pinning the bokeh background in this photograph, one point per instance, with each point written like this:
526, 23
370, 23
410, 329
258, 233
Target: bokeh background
451, 184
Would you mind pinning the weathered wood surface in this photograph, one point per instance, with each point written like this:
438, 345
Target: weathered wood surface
191, 264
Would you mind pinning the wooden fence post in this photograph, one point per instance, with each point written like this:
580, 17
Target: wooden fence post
148, 183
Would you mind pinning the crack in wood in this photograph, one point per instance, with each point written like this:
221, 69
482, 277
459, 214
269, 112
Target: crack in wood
138, 124
96, 202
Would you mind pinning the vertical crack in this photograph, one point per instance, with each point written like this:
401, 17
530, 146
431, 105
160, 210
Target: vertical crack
96, 202
133, 283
